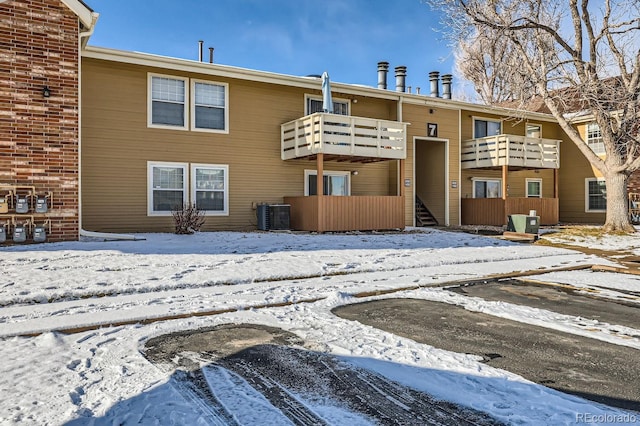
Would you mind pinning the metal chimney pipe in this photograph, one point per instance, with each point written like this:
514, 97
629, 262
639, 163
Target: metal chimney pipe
417, 90
435, 89
200, 43
401, 75
211, 55
446, 86
383, 70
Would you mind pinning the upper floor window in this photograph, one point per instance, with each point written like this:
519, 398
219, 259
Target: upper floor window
168, 105
340, 106
594, 138
173, 103
209, 110
534, 130
485, 127
487, 188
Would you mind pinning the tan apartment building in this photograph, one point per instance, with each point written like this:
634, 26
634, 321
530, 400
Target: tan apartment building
154, 132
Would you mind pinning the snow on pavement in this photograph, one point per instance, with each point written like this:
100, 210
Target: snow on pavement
55, 378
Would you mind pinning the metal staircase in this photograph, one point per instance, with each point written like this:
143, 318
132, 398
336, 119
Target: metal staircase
423, 216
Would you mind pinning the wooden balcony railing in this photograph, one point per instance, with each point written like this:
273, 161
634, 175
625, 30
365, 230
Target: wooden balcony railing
346, 213
343, 135
510, 150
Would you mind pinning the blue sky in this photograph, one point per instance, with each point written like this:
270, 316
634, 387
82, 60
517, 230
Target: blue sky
346, 38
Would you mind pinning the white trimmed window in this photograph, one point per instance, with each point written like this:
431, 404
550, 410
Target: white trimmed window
334, 183
313, 104
595, 195
167, 187
534, 130
534, 188
483, 127
209, 106
168, 100
487, 188
594, 138
209, 188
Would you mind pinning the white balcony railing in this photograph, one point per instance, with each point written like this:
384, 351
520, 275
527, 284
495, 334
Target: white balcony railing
343, 135
510, 150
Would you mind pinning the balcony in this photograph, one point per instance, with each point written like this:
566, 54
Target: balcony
510, 150
344, 138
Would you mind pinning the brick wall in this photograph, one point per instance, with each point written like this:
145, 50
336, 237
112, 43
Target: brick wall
633, 185
39, 136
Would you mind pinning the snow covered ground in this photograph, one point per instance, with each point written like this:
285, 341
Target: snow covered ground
100, 377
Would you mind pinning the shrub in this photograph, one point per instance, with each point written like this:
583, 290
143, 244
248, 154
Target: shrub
187, 218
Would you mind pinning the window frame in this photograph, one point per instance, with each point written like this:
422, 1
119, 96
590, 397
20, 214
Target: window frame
192, 106
586, 196
308, 98
150, 188
193, 189
150, 122
526, 129
309, 172
476, 179
478, 118
598, 143
527, 181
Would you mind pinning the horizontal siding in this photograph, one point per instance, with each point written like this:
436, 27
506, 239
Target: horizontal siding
117, 144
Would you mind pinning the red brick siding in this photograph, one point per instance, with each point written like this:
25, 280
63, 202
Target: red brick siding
633, 185
39, 136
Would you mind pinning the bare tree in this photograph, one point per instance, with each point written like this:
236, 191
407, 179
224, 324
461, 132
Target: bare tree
493, 68
576, 56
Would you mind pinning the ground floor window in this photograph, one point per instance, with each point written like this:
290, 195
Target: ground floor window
172, 185
534, 188
595, 195
334, 183
209, 188
167, 187
487, 188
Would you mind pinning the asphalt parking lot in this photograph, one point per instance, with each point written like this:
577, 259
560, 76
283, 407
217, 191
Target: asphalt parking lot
589, 368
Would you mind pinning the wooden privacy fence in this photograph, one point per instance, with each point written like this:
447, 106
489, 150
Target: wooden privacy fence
494, 211
346, 213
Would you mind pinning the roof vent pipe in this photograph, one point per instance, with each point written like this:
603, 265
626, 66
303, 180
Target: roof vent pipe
446, 86
383, 70
200, 43
417, 90
211, 55
401, 75
433, 79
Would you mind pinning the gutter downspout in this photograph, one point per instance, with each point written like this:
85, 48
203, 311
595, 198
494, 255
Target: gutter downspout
83, 38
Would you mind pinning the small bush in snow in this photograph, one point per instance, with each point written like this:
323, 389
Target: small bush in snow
187, 218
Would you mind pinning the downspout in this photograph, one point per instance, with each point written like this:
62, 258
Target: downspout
83, 38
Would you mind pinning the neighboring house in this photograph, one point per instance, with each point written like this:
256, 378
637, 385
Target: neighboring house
155, 132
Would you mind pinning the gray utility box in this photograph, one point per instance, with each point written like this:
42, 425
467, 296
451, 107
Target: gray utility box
262, 211
523, 223
39, 234
19, 234
3, 234
22, 205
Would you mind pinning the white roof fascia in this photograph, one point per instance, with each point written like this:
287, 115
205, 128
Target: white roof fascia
87, 16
